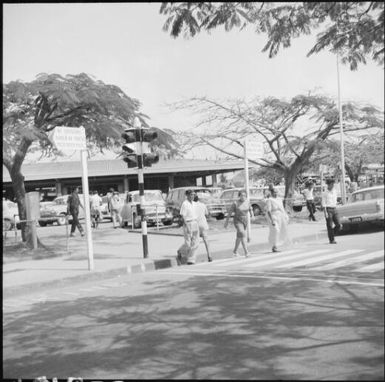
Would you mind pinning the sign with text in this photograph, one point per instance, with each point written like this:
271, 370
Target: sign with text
69, 138
255, 149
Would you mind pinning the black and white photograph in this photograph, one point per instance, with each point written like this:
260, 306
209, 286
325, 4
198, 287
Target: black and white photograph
193, 191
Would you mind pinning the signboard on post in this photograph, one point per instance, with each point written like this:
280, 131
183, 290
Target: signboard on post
71, 139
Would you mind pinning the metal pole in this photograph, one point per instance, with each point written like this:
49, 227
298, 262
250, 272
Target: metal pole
343, 193
141, 189
87, 212
247, 186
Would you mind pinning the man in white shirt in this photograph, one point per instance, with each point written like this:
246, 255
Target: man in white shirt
329, 204
95, 206
190, 225
202, 212
308, 194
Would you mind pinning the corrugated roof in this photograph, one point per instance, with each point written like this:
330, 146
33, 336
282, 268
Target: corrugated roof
111, 167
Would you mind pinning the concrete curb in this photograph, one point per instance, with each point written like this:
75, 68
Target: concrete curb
144, 266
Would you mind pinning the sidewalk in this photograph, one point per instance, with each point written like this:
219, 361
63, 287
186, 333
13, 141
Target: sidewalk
119, 252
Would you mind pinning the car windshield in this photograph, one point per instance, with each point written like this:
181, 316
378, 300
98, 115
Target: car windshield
204, 194
368, 195
148, 196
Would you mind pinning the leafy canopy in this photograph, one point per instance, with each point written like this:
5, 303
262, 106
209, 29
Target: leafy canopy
353, 29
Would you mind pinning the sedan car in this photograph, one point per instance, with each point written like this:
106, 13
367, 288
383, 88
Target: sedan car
10, 215
56, 211
155, 210
364, 206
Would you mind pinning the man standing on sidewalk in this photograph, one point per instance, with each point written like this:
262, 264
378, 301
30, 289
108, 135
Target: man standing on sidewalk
329, 204
202, 212
73, 203
190, 226
309, 197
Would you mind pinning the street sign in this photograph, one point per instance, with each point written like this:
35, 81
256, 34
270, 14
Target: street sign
255, 149
69, 138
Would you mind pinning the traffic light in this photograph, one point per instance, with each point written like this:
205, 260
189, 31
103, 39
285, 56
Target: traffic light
147, 136
129, 154
149, 159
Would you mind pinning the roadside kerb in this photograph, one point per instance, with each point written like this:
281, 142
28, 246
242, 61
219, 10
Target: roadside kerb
145, 265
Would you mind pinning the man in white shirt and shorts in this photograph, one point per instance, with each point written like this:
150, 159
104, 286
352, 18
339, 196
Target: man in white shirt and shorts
202, 212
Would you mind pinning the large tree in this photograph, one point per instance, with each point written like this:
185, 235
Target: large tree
291, 131
354, 29
359, 151
31, 110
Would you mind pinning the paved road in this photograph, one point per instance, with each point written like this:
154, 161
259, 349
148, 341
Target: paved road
312, 312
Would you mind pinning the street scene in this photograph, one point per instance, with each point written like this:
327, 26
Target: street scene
193, 191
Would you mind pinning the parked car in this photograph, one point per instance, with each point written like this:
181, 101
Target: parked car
155, 209
215, 206
257, 199
10, 215
56, 211
364, 206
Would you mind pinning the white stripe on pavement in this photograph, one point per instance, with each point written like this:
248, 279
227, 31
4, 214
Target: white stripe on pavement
283, 258
261, 257
350, 260
319, 259
372, 267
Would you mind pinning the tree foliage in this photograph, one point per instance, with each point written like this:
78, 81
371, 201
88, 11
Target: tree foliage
354, 29
31, 110
292, 131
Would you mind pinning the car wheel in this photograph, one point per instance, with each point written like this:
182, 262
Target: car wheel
7, 225
61, 220
256, 210
167, 222
42, 224
297, 208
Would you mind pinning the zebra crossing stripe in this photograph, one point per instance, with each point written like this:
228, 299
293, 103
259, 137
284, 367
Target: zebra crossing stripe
283, 258
373, 267
350, 260
321, 258
258, 258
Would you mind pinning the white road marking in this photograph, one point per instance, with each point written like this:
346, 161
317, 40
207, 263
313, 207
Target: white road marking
372, 267
282, 258
319, 259
353, 259
261, 257
231, 275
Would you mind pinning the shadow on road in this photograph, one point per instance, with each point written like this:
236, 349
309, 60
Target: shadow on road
216, 329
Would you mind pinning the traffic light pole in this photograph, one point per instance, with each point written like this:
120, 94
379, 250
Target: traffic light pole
139, 145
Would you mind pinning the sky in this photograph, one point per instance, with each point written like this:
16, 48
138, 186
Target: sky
124, 44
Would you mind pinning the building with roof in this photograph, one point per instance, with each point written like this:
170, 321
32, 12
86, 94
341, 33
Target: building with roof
57, 178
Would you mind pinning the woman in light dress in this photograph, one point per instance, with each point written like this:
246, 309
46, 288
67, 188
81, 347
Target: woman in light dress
278, 220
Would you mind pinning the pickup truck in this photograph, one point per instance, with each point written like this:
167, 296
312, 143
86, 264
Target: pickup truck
364, 206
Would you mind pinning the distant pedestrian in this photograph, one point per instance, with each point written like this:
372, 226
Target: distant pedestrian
73, 203
109, 195
189, 216
329, 204
278, 220
203, 226
116, 204
95, 207
240, 208
309, 197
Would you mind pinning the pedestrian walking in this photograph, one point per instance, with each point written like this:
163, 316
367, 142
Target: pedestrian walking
188, 212
240, 208
95, 207
329, 206
309, 197
109, 195
73, 203
116, 204
277, 219
203, 226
